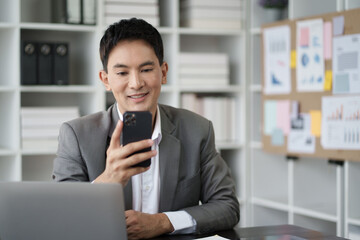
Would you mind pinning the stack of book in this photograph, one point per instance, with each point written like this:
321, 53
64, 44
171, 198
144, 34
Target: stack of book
220, 110
40, 126
206, 69
115, 10
224, 14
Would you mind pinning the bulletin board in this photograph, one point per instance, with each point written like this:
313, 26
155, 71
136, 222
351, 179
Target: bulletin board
308, 101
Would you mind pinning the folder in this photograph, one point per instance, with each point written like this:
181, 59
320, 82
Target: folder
73, 11
29, 59
45, 63
61, 64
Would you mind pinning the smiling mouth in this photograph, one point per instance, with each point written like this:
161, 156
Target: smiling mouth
138, 95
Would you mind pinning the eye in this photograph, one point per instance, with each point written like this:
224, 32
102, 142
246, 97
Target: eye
147, 70
122, 73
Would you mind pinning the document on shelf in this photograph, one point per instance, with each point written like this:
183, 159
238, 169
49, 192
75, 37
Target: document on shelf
277, 60
310, 56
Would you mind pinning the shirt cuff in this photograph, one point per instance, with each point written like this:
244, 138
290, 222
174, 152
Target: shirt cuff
182, 222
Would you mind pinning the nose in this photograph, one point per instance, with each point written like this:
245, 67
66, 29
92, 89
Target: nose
135, 81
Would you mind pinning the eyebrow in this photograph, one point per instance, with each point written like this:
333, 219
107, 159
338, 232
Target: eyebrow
118, 65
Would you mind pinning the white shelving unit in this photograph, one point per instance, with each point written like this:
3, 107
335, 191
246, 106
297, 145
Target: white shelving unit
307, 192
31, 20
271, 189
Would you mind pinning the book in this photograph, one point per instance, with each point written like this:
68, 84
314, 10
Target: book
88, 12
203, 58
204, 81
211, 23
29, 59
39, 132
45, 63
110, 19
73, 11
131, 9
210, 13
133, 1
49, 111
202, 69
211, 3
43, 144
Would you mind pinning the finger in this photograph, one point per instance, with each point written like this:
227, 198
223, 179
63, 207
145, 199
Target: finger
115, 137
138, 158
133, 147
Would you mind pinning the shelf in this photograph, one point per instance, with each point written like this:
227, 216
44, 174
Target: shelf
354, 221
270, 204
211, 89
38, 152
7, 152
202, 31
57, 27
60, 89
6, 25
255, 31
314, 214
7, 89
228, 145
257, 88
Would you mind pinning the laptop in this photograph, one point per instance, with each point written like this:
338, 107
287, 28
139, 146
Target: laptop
49, 210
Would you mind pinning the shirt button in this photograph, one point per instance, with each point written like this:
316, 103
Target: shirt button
147, 188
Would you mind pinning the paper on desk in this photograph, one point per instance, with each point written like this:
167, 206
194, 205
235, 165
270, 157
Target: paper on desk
215, 237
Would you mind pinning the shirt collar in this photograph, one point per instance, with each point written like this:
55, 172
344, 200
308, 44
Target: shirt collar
156, 135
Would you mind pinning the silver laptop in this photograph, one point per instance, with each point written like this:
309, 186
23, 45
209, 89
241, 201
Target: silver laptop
39, 210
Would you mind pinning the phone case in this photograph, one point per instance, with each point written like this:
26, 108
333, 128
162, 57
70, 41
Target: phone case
137, 126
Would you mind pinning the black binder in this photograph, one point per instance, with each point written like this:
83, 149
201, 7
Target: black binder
61, 64
29, 60
45, 63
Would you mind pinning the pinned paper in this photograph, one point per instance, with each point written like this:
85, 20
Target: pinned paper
277, 137
283, 116
328, 80
315, 123
269, 116
304, 37
338, 25
327, 40
293, 59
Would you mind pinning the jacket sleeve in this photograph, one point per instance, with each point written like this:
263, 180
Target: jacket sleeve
69, 164
220, 207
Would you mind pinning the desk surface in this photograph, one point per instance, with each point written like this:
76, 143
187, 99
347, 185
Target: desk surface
284, 232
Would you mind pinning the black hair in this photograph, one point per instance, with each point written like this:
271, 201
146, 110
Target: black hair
130, 29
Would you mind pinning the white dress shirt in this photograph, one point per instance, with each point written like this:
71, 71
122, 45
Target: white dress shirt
146, 187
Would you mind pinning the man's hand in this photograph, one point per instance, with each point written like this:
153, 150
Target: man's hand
142, 225
118, 167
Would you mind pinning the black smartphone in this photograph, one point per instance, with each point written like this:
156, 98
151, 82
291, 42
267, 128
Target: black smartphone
137, 126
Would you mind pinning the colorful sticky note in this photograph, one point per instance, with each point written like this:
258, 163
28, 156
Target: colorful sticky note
283, 116
304, 37
293, 59
327, 40
328, 80
277, 137
315, 123
269, 116
338, 25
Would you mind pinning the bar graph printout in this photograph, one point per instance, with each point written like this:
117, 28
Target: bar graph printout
340, 127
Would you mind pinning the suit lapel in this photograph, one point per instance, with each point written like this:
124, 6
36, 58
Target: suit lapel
169, 163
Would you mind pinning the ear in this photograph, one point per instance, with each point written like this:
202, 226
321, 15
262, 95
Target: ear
104, 79
164, 71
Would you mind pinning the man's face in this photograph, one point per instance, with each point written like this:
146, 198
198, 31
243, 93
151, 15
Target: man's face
134, 76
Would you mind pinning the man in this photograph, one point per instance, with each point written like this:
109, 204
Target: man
185, 167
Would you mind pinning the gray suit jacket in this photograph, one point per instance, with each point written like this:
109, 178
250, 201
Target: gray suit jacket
191, 170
